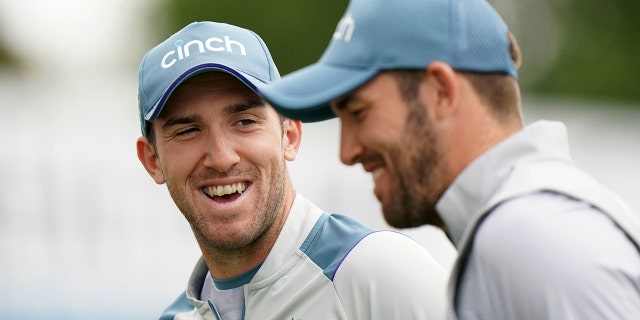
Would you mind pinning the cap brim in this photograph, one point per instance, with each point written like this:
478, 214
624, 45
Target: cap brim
250, 81
306, 94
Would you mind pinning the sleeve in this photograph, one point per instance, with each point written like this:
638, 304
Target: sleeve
390, 276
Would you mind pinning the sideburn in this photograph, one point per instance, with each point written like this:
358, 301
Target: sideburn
424, 157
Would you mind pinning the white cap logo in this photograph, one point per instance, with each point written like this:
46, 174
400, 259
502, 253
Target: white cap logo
344, 30
212, 44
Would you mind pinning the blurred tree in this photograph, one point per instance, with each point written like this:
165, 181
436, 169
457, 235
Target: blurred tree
599, 57
296, 31
8, 60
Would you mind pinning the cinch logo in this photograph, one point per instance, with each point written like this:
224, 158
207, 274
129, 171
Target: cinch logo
344, 30
211, 44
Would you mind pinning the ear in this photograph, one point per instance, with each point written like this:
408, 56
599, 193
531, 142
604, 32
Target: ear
291, 138
149, 159
442, 89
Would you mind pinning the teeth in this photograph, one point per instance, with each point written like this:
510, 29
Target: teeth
217, 191
377, 173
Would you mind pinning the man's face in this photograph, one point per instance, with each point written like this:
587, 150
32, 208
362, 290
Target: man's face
397, 142
221, 151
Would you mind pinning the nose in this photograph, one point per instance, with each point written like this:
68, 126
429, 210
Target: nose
221, 153
350, 148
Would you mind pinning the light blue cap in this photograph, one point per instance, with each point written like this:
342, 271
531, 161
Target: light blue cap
201, 47
376, 35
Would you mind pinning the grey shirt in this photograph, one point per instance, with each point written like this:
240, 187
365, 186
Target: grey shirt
531, 250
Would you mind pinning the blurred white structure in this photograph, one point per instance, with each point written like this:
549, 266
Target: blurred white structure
84, 231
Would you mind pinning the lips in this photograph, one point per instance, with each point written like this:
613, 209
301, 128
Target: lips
373, 164
224, 190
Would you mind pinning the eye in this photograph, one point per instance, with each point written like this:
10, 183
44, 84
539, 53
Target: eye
186, 131
245, 122
356, 113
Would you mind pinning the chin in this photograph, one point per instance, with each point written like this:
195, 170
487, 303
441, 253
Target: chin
396, 220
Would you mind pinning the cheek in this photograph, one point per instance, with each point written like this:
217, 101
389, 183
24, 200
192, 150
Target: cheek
176, 161
261, 151
386, 131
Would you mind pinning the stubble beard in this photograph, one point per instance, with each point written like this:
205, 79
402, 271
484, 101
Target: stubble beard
267, 210
416, 168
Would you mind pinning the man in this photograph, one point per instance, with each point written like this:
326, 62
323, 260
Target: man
429, 104
267, 252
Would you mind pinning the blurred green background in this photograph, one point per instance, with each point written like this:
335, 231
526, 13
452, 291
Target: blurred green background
572, 48
81, 218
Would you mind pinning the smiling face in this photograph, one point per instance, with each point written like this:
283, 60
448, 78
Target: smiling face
398, 143
222, 152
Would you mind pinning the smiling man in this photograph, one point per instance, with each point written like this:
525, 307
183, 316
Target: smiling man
267, 252
428, 100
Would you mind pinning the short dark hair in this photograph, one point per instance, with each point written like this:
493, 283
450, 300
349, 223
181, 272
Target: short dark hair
150, 135
498, 91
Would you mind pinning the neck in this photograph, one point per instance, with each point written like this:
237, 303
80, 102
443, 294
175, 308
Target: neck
478, 131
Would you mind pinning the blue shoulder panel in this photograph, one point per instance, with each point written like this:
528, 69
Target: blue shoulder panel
181, 304
331, 240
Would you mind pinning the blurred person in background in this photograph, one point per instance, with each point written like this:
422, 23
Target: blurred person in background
267, 252
429, 104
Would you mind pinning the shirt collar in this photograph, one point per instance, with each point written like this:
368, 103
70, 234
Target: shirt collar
475, 185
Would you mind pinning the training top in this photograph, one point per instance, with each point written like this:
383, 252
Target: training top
538, 238
329, 266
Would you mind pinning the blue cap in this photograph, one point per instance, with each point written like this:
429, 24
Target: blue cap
201, 47
376, 35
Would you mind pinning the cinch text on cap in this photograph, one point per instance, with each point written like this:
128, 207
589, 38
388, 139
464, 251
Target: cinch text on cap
211, 44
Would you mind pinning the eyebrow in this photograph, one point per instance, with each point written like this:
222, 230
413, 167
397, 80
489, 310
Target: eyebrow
240, 107
341, 104
230, 109
180, 120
